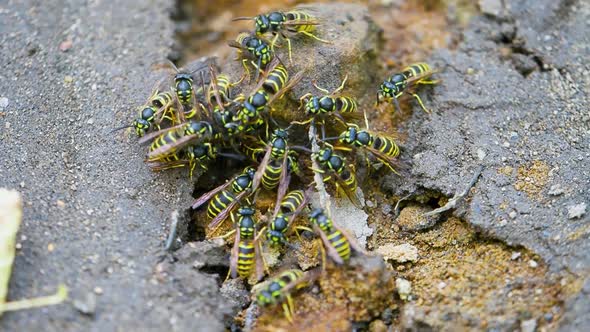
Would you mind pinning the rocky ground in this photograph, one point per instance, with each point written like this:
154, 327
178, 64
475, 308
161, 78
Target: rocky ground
513, 99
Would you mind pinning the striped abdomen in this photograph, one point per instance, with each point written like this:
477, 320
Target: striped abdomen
276, 79
219, 203
346, 104
386, 145
246, 257
299, 16
340, 243
271, 175
416, 69
292, 201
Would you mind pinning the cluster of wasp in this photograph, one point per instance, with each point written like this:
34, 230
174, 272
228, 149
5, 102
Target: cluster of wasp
191, 126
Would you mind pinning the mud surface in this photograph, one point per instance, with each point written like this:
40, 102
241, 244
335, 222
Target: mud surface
514, 99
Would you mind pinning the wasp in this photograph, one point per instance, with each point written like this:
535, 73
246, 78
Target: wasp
337, 242
184, 87
330, 103
224, 198
286, 210
277, 164
278, 290
193, 155
245, 254
397, 84
346, 181
285, 24
168, 141
253, 48
381, 146
274, 85
159, 107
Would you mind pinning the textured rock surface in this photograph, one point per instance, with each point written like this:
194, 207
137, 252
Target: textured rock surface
94, 217
533, 130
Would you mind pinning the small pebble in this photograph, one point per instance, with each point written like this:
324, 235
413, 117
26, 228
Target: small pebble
86, 306
512, 214
404, 288
576, 211
506, 144
22, 184
555, 190
50, 247
470, 71
386, 208
98, 290
94, 86
370, 203
533, 263
3, 102
441, 285
7, 125
401, 253
515, 255
65, 45
529, 325
481, 154
68, 79
90, 121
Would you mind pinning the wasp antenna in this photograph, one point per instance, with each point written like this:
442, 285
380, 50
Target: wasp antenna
243, 18
171, 64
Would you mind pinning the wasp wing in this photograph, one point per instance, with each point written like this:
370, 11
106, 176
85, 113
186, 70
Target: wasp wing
415, 79
223, 214
261, 169
233, 258
330, 250
180, 143
208, 195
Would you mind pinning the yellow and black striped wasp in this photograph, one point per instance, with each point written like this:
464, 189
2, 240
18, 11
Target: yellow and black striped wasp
278, 163
273, 86
253, 49
383, 147
159, 106
285, 24
224, 198
345, 179
330, 103
184, 89
246, 255
279, 290
286, 210
169, 141
192, 156
397, 84
337, 242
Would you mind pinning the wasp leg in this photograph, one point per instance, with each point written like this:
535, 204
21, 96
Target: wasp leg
314, 83
287, 309
273, 42
309, 34
246, 69
428, 82
341, 85
420, 102
289, 48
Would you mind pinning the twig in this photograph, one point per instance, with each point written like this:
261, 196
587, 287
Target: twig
57, 298
11, 213
317, 176
451, 204
396, 208
173, 230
